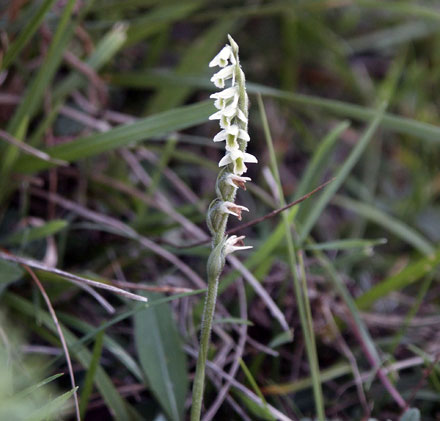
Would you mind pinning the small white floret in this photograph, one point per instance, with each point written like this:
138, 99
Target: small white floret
234, 243
221, 59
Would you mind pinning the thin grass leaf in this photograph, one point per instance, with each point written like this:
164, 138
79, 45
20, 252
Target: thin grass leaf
26, 235
158, 19
160, 352
344, 293
252, 382
389, 121
105, 50
26, 34
349, 244
52, 408
412, 273
33, 388
388, 222
90, 375
316, 165
103, 382
34, 93
196, 57
90, 332
129, 134
300, 288
341, 176
327, 374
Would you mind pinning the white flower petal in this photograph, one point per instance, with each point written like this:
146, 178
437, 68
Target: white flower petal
233, 130
236, 154
225, 122
247, 157
225, 160
232, 146
234, 243
221, 59
226, 93
243, 135
233, 209
219, 83
236, 181
241, 116
224, 73
216, 116
229, 111
220, 136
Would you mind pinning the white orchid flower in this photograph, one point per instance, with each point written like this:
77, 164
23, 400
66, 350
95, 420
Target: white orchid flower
237, 181
233, 209
218, 79
234, 243
238, 158
221, 59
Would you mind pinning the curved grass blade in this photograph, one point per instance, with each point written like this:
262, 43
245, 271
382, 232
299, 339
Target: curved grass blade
156, 125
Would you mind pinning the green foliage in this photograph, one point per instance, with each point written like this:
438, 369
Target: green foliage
85, 82
161, 356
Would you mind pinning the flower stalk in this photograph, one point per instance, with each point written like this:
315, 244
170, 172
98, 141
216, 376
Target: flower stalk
232, 105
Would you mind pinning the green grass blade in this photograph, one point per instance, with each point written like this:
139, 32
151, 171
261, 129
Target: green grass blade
316, 166
344, 293
26, 34
34, 93
158, 20
252, 382
146, 128
197, 57
90, 376
349, 244
110, 344
407, 276
398, 228
103, 382
341, 176
35, 233
52, 408
162, 358
34, 387
105, 50
300, 288
397, 124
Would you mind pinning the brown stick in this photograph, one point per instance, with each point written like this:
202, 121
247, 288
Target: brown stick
277, 211
260, 219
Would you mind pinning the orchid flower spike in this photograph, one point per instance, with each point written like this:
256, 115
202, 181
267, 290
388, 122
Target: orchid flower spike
232, 112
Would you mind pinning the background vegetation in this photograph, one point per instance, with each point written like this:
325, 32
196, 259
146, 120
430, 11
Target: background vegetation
106, 170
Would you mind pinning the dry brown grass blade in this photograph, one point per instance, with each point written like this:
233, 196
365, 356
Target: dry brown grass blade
24, 147
70, 276
60, 334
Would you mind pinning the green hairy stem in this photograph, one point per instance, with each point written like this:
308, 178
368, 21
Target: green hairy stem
217, 222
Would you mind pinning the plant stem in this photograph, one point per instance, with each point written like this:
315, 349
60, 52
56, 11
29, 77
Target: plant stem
199, 380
